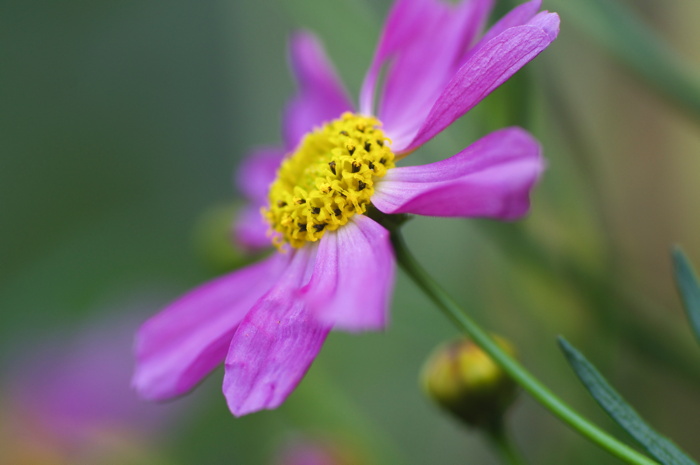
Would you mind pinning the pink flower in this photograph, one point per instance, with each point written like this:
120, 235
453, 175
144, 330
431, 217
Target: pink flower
268, 321
314, 451
68, 400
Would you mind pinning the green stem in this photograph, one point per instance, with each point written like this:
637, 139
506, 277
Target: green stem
503, 443
536, 389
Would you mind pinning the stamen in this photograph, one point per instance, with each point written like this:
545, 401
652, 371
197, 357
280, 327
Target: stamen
331, 175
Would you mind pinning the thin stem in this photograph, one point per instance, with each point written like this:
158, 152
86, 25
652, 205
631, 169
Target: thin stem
503, 443
536, 389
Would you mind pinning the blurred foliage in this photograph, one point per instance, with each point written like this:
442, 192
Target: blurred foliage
122, 122
621, 32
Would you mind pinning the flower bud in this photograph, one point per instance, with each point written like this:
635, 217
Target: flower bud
463, 380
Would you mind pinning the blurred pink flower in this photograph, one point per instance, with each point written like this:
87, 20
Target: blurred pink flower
268, 321
71, 397
315, 452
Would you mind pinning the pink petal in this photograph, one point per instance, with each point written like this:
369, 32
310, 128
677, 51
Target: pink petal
490, 178
424, 40
321, 94
518, 16
179, 346
353, 277
250, 229
275, 344
549, 22
489, 67
257, 172
253, 178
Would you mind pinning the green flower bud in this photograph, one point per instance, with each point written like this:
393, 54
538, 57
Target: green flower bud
463, 380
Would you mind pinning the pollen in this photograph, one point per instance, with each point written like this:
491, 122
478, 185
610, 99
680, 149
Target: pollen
327, 180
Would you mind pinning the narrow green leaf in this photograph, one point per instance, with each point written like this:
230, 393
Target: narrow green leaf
656, 445
687, 282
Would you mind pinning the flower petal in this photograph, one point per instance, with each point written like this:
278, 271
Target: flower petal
518, 16
274, 346
321, 97
489, 67
353, 277
250, 229
179, 346
257, 172
253, 178
424, 40
490, 178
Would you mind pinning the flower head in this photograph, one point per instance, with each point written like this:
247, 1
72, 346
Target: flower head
335, 265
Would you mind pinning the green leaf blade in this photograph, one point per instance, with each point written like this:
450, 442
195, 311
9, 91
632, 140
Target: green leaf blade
659, 447
688, 286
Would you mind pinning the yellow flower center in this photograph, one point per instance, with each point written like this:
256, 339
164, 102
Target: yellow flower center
328, 179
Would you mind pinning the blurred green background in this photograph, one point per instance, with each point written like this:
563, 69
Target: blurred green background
122, 123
